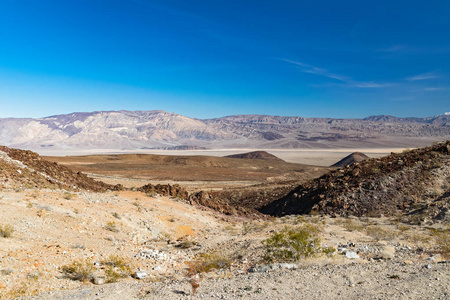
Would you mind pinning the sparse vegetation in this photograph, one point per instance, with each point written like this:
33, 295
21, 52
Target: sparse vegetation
81, 270
112, 226
186, 244
328, 251
443, 242
68, 196
7, 271
26, 288
116, 215
138, 206
78, 246
35, 194
417, 238
378, 233
351, 225
292, 243
442, 238
206, 262
6, 230
402, 227
117, 267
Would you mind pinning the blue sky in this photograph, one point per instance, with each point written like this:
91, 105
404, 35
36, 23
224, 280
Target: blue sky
208, 59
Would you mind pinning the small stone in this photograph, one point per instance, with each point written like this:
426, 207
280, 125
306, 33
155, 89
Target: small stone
99, 280
428, 266
262, 268
351, 254
157, 268
288, 266
140, 275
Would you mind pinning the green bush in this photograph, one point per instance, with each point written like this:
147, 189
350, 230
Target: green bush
292, 243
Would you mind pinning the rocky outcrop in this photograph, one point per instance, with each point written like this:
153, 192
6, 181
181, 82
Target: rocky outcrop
415, 184
168, 190
22, 168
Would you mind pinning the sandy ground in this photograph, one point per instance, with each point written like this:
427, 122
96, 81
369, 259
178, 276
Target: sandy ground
55, 228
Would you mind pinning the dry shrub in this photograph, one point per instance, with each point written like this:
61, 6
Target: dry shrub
6, 231
27, 288
68, 196
206, 262
81, 270
378, 233
112, 226
443, 242
350, 225
117, 267
442, 238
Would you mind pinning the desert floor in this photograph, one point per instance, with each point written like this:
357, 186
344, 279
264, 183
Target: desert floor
319, 157
163, 237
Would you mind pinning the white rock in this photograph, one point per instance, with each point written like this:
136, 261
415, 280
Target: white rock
140, 275
351, 254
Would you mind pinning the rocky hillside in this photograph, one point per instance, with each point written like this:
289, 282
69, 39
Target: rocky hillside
350, 159
26, 169
160, 129
414, 185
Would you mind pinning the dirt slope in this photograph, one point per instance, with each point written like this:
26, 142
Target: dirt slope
415, 184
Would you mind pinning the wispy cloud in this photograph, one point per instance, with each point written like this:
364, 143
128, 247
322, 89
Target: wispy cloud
411, 49
306, 68
424, 76
432, 89
317, 71
396, 48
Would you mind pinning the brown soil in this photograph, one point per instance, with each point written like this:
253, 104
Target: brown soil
237, 186
187, 168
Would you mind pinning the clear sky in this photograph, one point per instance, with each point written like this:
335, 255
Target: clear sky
211, 58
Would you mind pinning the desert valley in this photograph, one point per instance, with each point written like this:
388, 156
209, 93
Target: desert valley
154, 205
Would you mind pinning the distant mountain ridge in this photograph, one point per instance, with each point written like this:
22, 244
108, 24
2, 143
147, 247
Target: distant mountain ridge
133, 130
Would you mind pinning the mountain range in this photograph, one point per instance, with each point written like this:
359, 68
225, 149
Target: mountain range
133, 130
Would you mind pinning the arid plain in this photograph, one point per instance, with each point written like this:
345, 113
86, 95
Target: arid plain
190, 226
